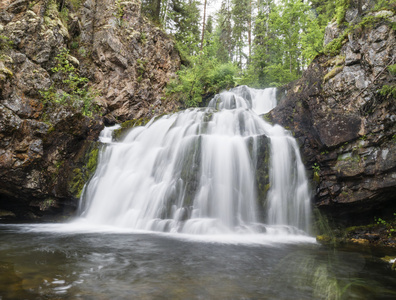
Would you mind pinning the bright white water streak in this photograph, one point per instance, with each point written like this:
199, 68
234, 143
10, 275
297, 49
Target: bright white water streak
194, 172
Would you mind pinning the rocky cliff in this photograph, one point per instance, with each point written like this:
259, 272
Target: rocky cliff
345, 125
47, 148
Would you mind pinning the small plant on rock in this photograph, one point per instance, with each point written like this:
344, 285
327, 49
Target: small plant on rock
316, 169
390, 225
69, 88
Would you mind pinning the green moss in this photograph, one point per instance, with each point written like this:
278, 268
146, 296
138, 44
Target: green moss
324, 239
362, 227
333, 73
5, 71
316, 177
77, 183
120, 133
46, 204
342, 7
267, 118
6, 213
80, 176
5, 43
388, 259
333, 48
76, 3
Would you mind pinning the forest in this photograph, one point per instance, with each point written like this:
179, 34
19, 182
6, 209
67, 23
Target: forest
260, 43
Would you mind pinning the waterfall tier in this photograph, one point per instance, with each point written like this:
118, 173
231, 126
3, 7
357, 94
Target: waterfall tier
202, 171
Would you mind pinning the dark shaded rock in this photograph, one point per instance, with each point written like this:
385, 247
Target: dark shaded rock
345, 126
262, 173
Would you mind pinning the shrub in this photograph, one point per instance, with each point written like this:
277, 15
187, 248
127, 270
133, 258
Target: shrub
69, 88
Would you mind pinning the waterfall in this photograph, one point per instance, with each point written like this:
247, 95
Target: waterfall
195, 172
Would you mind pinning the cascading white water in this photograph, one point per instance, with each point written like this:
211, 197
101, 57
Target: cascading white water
194, 172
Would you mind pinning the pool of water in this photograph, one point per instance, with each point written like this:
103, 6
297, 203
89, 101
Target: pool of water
60, 262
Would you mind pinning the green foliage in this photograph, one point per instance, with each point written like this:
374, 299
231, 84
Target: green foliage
392, 69
120, 9
333, 48
389, 91
143, 37
385, 4
69, 88
74, 45
81, 175
51, 8
316, 170
64, 15
5, 43
287, 37
341, 8
152, 9
325, 11
390, 225
185, 18
205, 76
76, 3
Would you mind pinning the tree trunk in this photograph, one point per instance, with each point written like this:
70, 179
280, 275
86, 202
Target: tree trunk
359, 7
166, 4
250, 30
157, 10
203, 25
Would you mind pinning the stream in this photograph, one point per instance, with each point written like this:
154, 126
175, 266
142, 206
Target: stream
207, 203
70, 261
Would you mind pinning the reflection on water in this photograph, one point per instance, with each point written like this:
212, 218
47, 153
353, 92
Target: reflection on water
40, 264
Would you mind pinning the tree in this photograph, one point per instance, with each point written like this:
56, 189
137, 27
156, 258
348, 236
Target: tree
287, 38
223, 33
240, 16
152, 9
185, 18
203, 24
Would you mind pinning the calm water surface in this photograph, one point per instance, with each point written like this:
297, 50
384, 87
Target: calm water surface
49, 262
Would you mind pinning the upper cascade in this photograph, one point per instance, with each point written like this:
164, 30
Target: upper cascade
196, 172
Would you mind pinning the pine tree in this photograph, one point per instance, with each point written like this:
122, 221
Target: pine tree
223, 33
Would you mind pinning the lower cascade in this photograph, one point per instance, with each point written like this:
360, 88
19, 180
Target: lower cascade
218, 170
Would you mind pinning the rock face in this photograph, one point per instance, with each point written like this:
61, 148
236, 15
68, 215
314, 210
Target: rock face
132, 60
48, 151
345, 127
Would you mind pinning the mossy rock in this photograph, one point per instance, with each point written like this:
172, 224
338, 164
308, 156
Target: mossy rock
5, 71
339, 60
333, 73
323, 239
6, 213
81, 175
390, 259
120, 133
